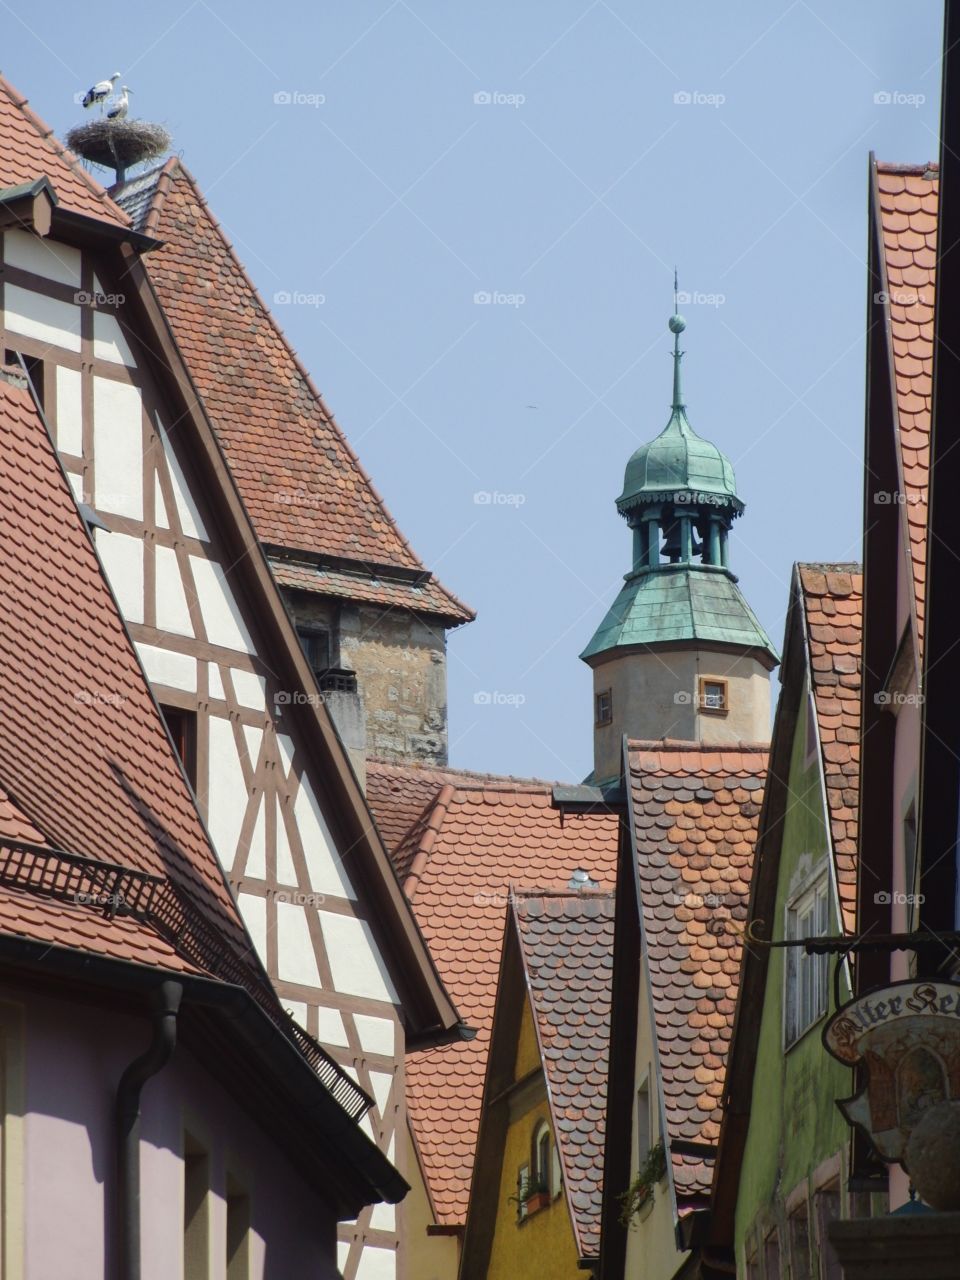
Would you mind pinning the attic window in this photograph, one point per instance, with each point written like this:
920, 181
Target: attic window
604, 713
713, 696
34, 370
182, 727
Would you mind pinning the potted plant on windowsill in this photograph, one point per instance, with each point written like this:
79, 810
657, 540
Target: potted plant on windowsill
538, 1197
639, 1195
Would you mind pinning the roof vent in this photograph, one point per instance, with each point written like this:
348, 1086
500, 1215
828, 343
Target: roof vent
581, 879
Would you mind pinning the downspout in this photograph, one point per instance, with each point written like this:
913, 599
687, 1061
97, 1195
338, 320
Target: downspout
167, 1004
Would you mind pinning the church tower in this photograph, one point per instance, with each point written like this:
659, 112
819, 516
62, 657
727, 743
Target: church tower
680, 653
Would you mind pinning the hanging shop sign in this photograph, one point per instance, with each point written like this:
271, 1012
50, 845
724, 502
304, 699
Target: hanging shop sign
907, 1039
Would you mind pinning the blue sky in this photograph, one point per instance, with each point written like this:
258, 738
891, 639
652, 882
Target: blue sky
557, 158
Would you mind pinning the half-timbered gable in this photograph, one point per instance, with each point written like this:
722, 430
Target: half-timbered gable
273, 784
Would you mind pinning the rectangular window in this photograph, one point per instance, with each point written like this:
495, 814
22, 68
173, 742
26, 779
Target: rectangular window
238, 1231
713, 695
196, 1210
827, 1203
806, 975
910, 865
800, 1244
643, 1123
34, 368
182, 727
523, 1187
316, 645
604, 707
771, 1256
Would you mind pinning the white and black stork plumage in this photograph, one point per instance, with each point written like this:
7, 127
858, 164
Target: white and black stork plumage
122, 105
100, 91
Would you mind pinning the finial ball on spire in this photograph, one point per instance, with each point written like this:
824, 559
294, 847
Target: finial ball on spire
677, 324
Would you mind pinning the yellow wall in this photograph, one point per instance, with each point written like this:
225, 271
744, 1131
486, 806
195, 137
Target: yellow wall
528, 1050
542, 1247
423, 1257
651, 1243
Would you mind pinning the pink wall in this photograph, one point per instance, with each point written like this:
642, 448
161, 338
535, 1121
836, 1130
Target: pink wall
74, 1057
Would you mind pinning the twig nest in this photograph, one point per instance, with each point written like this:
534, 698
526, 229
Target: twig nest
118, 144
932, 1156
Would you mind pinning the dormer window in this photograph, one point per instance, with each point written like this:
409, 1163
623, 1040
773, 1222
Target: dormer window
713, 696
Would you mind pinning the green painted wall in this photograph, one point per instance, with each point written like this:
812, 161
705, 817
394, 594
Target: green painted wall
794, 1124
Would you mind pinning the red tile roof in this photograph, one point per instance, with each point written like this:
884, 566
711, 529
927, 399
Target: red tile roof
694, 814
908, 199
477, 838
833, 611
28, 150
84, 758
301, 482
566, 942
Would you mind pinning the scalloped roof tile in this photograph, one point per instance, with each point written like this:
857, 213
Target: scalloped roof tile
833, 611
566, 942
695, 812
302, 484
474, 840
908, 197
29, 150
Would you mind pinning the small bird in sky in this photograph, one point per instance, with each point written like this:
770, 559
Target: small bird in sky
100, 91
122, 105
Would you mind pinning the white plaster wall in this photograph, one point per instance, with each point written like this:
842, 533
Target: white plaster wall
221, 615
42, 257
122, 557
167, 667
172, 610
226, 791
69, 411
655, 696
118, 448
37, 316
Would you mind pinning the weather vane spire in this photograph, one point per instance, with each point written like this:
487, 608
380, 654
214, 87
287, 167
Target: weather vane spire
677, 326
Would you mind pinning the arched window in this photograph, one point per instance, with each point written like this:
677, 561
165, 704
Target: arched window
541, 1164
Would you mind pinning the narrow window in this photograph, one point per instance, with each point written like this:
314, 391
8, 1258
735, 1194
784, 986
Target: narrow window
182, 727
827, 1202
542, 1160
800, 1244
910, 865
316, 646
523, 1191
806, 975
34, 369
238, 1231
643, 1122
771, 1256
604, 708
196, 1210
713, 695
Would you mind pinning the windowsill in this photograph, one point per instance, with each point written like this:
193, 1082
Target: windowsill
804, 1033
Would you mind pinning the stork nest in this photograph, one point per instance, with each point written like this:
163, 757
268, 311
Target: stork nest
118, 144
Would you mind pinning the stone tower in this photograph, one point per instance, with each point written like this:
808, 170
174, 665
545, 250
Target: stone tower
680, 653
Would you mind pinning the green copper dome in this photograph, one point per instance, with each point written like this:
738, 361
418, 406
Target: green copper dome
678, 460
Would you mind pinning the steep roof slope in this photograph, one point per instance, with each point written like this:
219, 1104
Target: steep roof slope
908, 197
29, 150
82, 747
694, 811
302, 484
566, 942
475, 840
833, 611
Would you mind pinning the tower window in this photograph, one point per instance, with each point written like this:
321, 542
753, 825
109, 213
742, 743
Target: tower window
713, 696
316, 646
604, 707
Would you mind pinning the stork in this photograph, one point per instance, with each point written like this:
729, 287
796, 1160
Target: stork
100, 91
122, 105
